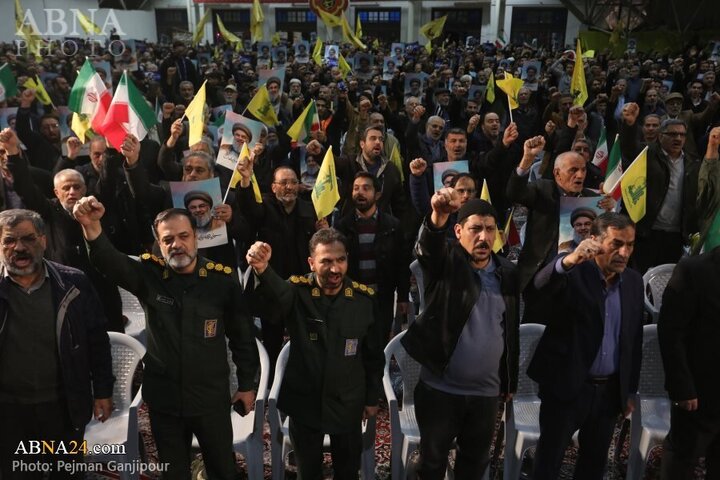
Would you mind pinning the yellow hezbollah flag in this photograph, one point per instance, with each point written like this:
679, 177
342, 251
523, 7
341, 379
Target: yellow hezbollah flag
227, 34
498, 243
329, 19
578, 85
275, 39
633, 185
317, 52
343, 65
434, 28
195, 113
396, 160
511, 86
87, 24
358, 27
348, 34
80, 124
261, 107
325, 193
198, 35
257, 20
490, 91
245, 157
40, 92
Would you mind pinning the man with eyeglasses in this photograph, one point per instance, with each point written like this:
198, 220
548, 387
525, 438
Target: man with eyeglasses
55, 361
671, 215
286, 223
43, 147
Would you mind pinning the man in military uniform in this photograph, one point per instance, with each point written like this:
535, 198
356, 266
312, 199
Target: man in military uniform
333, 375
191, 305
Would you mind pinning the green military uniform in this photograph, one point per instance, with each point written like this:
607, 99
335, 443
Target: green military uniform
186, 377
335, 365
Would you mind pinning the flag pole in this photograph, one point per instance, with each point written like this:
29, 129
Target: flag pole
510, 108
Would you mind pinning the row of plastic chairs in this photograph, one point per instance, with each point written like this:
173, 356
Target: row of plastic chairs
650, 421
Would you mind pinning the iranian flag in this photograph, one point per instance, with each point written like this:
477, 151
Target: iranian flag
90, 97
614, 172
129, 113
307, 123
601, 154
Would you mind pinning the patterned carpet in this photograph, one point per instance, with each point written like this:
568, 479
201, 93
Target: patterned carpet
617, 463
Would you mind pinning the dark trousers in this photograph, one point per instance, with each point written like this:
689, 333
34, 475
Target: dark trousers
308, 447
444, 417
173, 437
21, 424
656, 249
692, 435
595, 412
272, 339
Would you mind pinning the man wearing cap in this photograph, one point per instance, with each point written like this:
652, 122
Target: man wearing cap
694, 121
200, 204
230, 93
191, 304
581, 220
466, 340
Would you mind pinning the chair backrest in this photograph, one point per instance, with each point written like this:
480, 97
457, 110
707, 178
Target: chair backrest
417, 272
279, 371
655, 280
127, 353
264, 371
409, 368
652, 374
530, 334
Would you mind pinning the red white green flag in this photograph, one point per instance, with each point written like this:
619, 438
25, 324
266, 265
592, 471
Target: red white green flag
129, 113
89, 96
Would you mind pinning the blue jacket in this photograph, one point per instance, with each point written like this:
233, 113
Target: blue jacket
83, 343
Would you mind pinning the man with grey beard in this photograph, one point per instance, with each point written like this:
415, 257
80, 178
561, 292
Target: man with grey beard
191, 305
200, 206
55, 362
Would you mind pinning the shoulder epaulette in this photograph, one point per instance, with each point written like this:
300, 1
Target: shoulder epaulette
360, 287
299, 280
218, 267
146, 257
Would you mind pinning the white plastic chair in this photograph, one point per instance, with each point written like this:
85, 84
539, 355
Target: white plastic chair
404, 430
403, 425
248, 430
280, 435
650, 421
417, 271
522, 415
134, 312
655, 281
122, 426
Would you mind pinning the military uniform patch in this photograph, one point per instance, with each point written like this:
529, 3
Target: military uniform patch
210, 328
313, 337
349, 292
202, 272
351, 345
315, 292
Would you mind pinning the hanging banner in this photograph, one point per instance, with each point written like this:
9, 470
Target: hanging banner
334, 7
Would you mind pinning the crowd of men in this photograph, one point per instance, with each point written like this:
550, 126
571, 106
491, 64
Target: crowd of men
88, 207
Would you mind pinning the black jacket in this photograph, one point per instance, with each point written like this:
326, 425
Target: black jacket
542, 198
451, 291
287, 234
392, 253
574, 332
83, 343
658, 181
688, 330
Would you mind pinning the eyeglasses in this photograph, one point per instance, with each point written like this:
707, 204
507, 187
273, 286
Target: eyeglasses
287, 183
11, 242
